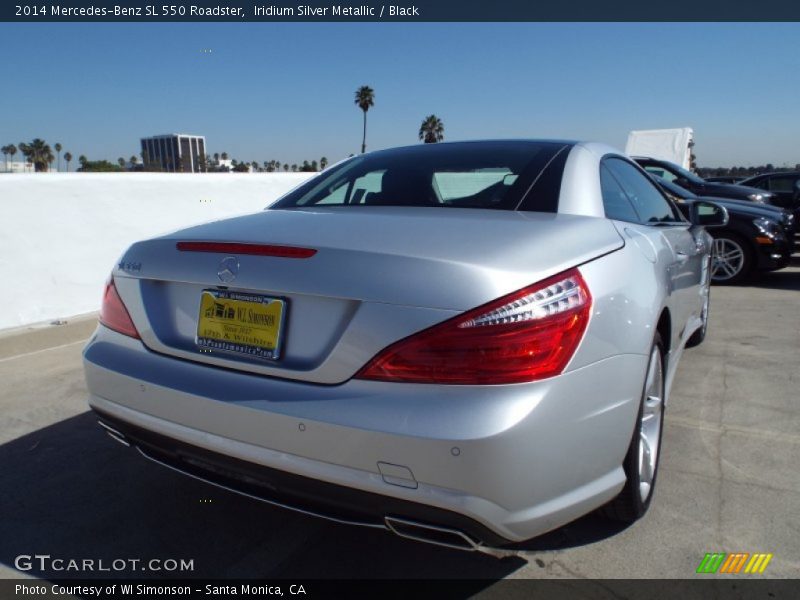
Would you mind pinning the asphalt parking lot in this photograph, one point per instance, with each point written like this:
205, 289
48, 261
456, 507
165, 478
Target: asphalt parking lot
729, 480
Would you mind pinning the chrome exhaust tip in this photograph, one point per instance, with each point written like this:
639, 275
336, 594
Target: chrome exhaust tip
442, 536
114, 434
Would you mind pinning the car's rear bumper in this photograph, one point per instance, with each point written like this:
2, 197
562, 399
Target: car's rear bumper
499, 463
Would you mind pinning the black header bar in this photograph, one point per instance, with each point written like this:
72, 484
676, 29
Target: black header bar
413, 11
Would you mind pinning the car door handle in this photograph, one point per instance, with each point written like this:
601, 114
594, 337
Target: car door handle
682, 257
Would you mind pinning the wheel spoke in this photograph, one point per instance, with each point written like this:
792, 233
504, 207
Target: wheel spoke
646, 460
650, 423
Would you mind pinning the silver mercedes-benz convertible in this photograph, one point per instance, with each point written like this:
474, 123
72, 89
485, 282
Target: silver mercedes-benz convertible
468, 343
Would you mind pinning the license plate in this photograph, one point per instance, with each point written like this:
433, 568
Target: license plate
242, 323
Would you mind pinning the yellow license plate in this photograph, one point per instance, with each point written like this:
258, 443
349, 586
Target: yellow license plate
242, 323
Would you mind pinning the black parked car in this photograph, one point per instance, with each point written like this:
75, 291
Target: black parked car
723, 179
785, 186
758, 237
699, 186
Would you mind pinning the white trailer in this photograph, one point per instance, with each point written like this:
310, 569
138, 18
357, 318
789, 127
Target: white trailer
674, 145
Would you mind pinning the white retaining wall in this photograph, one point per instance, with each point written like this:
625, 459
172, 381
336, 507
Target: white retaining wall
60, 234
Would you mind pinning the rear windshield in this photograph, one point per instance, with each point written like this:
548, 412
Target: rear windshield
498, 175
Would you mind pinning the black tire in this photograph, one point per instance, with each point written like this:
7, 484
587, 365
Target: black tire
743, 272
629, 505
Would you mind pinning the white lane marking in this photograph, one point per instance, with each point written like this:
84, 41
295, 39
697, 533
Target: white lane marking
16, 356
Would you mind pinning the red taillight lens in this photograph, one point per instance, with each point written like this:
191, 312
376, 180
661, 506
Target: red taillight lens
527, 335
113, 313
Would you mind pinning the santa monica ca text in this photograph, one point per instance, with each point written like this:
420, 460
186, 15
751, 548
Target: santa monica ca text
140, 589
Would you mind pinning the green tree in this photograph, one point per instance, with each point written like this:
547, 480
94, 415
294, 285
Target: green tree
285, 166
99, 166
57, 148
67, 159
12, 150
134, 160
240, 167
121, 162
323, 162
365, 98
314, 165
224, 156
294, 168
216, 156
431, 130
39, 153
82, 159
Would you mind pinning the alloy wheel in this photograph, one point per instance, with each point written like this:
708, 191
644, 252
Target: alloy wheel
727, 260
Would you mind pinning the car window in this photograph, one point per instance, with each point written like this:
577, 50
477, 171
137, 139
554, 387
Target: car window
661, 172
340, 193
453, 186
615, 201
649, 203
762, 184
781, 184
493, 175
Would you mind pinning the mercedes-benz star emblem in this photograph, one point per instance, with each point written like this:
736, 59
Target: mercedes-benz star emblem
228, 269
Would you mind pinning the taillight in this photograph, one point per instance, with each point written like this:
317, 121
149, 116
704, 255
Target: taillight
113, 313
254, 249
527, 335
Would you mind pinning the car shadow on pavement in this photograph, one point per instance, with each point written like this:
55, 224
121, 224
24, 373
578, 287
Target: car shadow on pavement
787, 279
71, 492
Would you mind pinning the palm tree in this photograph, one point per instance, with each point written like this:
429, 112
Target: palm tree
216, 157
39, 153
431, 130
285, 166
121, 162
323, 162
12, 150
365, 97
4, 150
67, 159
23, 150
294, 167
134, 159
224, 156
57, 148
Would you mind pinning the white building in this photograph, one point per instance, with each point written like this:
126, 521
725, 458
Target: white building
16, 167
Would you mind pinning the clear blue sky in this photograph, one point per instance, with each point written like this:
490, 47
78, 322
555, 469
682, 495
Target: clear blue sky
285, 91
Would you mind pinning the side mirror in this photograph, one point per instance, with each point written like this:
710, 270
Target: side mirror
708, 214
